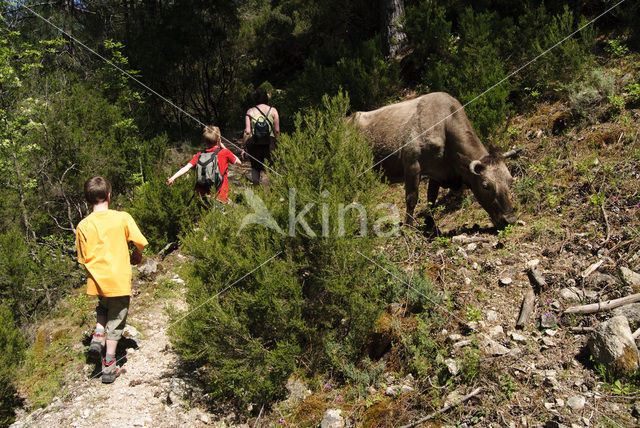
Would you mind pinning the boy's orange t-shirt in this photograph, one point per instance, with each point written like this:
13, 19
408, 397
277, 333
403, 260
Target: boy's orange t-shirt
102, 240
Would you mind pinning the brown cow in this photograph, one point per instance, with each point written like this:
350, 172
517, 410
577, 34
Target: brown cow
431, 135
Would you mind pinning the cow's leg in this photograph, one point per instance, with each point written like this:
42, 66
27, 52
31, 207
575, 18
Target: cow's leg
411, 186
432, 197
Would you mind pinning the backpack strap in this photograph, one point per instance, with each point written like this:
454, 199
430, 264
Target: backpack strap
215, 153
266, 117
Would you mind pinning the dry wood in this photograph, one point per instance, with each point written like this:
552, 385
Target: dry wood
536, 278
603, 306
582, 329
591, 269
463, 239
511, 153
636, 334
526, 309
444, 409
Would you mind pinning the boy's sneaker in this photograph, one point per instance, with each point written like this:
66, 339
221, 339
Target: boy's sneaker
95, 348
110, 371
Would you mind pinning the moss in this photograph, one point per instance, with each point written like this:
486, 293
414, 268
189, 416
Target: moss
309, 413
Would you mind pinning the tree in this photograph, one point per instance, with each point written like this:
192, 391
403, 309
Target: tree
392, 14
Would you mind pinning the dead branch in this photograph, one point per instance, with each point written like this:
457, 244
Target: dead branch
511, 153
444, 409
603, 306
463, 239
526, 309
636, 334
581, 329
588, 271
536, 278
606, 223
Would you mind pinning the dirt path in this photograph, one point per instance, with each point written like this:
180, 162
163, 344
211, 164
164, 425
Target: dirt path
151, 392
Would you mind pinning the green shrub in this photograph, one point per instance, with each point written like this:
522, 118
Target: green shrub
163, 212
361, 72
33, 277
616, 48
13, 346
586, 95
313, 298
465, 68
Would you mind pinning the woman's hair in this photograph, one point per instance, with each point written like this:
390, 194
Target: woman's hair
96, 190
260, 96
211, 134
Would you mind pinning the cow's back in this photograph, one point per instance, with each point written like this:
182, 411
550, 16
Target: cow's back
416, 125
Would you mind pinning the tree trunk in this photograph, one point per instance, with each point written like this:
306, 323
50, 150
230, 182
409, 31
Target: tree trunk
20, 185
392, 13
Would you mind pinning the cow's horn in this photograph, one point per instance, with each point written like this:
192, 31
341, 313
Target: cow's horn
473, 165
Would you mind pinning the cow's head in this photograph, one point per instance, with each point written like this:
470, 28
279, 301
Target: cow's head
490, 181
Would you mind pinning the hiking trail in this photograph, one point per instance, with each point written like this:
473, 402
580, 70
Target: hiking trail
153, 389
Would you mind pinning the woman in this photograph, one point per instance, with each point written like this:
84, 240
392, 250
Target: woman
259, 148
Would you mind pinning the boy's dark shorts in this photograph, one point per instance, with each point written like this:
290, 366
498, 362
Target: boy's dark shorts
116, 310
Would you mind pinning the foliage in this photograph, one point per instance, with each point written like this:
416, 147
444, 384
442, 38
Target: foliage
13, 346
362, 72
33, 277
314, 297
616, 48
163, 212
586, 95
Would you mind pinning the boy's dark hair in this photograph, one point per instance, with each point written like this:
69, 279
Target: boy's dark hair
96, 190
260, 96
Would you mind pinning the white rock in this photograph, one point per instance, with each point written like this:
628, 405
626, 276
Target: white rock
505, 281
516, 337
576, 402
392, 390
550, 332
612, 344
533, 263
492, 316
332, 418
494, 348
452, 366
496, 331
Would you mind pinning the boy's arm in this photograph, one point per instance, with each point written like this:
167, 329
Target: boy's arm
136, 256
182, 170
137, 238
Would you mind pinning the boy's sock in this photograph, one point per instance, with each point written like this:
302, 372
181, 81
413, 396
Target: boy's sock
109, 357
99, 330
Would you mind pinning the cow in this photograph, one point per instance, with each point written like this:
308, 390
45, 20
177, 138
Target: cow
431, 135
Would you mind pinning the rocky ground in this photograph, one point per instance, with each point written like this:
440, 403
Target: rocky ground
577, 244
154, 390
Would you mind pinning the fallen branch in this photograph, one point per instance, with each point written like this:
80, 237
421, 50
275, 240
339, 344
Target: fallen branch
606, 223
536, 278
444, 409
464, 239
511, 153
636, 334
603, 306
526, 309
591, 269
582, 329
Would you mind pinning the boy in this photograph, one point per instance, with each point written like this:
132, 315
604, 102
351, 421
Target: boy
102, 240
213, 140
